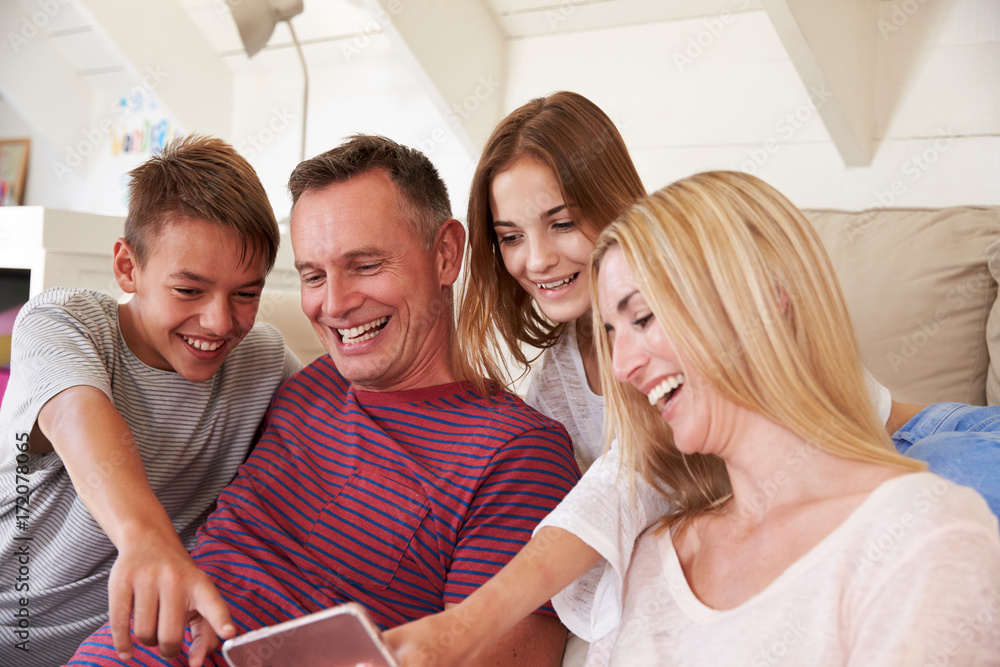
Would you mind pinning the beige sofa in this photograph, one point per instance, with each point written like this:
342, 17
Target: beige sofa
921, 285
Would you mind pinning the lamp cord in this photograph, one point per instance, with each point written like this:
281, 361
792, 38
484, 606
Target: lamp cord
305, 89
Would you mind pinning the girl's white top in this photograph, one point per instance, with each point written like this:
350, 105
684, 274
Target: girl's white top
559, 389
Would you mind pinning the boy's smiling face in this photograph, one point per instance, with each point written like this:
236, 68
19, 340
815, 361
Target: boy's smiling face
193, 298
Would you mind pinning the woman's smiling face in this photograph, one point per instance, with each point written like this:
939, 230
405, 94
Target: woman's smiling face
541, 239
644, 356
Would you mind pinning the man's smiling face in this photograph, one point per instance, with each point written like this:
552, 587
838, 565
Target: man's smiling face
375, 295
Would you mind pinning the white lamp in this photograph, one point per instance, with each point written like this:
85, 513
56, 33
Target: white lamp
255, 19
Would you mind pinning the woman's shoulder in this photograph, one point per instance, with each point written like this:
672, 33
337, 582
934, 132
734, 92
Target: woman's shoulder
908, 514
932, 498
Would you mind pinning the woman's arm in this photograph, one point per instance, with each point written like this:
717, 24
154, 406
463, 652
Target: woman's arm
549, 562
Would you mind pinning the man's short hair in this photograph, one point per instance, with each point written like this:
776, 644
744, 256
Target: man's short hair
205, 178
424, 199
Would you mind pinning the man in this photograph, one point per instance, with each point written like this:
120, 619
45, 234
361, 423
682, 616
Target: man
380, 477
122, 423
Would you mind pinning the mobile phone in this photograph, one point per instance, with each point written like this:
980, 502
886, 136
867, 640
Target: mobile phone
342, 636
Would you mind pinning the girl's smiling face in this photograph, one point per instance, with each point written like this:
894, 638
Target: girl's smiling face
543, 245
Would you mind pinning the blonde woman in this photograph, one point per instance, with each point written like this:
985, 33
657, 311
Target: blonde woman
801, 479
722, 317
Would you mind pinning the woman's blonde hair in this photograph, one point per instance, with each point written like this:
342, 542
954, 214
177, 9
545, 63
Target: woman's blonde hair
741, 284
581, 145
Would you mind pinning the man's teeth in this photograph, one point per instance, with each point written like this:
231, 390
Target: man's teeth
363, 332
203, 345
665, 387
558, 283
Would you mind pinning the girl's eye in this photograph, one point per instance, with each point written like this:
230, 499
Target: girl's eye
564, 226
509, 239
643, 322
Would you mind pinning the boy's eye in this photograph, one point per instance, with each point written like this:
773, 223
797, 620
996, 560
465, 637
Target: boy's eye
186, 291
248, 295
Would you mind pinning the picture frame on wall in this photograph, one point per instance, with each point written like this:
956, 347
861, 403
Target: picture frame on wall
13, 170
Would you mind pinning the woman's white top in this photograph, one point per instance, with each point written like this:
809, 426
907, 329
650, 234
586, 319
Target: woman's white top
910, 578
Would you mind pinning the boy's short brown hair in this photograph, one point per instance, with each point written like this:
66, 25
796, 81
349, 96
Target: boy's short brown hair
205, 178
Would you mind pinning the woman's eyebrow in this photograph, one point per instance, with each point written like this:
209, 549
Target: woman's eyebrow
623, 304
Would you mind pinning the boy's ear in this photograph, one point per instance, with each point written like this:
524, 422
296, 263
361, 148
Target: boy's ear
125, 266
450, 244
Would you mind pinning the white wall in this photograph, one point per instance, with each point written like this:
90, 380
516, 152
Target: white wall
682, 107
736, 102
371, 92
89, 174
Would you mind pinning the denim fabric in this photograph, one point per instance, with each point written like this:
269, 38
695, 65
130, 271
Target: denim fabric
959, 442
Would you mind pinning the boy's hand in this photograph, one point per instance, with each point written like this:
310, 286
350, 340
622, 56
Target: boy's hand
158, 580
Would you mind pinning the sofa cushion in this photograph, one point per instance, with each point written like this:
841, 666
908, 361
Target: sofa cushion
921, 285
282, 308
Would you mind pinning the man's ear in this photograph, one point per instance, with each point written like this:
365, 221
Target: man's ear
449, 247
125, 266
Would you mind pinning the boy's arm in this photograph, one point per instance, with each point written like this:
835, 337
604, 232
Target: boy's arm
153, 574
495, 624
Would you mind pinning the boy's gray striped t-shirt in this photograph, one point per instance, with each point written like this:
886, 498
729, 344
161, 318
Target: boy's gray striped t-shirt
54, 557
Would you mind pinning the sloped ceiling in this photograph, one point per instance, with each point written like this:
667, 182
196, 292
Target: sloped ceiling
74, 45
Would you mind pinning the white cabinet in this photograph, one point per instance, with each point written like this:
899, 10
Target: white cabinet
60, 248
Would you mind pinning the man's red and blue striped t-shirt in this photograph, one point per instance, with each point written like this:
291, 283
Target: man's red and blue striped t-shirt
401, 501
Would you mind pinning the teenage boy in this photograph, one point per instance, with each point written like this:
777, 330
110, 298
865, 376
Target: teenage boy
122, 423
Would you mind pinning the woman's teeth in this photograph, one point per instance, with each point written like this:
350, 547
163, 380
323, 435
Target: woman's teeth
664, 388
203, 345
361, 333
557, 284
